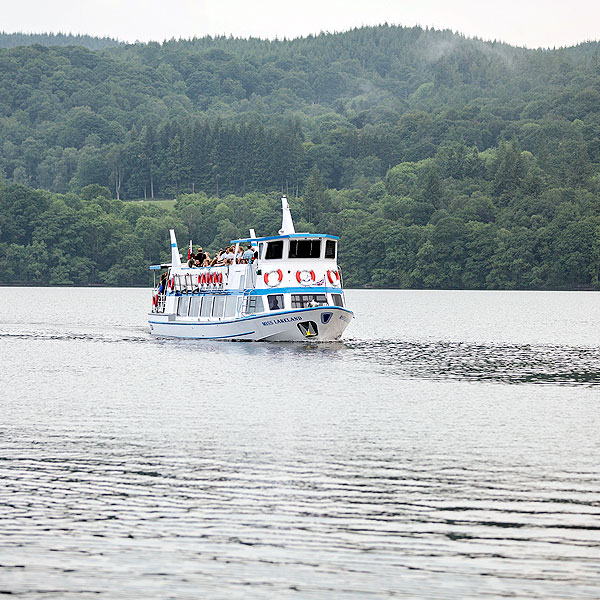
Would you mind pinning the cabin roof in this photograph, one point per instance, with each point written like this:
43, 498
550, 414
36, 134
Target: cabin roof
285, 237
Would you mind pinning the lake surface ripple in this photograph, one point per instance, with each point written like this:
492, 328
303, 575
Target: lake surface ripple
448, 447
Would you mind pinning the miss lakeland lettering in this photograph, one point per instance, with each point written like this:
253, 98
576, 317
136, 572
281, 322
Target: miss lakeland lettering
283, 320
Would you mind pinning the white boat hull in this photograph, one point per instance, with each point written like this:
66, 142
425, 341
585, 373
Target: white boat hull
321, 324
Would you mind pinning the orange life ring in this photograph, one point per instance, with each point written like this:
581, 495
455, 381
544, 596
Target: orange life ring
220, 277
279, 278
307, 281
155, 300
333, 276
172, 282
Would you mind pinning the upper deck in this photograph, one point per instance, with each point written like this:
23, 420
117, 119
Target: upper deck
287, 261
304, 250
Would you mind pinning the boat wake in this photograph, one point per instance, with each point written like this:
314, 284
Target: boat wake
103, 337
410, 359
500, 363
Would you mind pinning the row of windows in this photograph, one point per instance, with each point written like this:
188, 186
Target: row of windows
311, 300
228, 306
208, 306
300, 249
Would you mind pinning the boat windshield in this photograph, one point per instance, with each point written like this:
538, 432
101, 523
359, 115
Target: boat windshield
308, 300
305, 249
274, 250
330, 249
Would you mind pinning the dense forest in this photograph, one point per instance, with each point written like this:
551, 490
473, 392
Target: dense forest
12, 40
442, 161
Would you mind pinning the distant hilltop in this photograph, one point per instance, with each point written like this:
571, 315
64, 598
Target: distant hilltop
13, 40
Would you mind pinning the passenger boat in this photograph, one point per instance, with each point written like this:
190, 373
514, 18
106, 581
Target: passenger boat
291, 291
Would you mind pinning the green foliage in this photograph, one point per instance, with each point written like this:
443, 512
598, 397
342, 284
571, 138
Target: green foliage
442, 161
12, 40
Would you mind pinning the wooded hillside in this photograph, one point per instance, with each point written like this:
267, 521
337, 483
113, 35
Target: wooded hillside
442, 161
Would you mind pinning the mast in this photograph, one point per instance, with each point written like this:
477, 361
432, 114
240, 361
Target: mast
175, 258
287, 225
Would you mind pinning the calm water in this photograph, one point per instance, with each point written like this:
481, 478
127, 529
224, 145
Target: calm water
449, 447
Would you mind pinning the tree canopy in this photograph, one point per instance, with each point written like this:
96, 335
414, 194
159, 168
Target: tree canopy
443, 161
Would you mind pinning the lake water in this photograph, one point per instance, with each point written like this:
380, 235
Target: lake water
448, 447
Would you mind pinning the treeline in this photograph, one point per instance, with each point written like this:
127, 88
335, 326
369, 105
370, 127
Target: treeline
462, 219
12, 40
225, 115
442, 161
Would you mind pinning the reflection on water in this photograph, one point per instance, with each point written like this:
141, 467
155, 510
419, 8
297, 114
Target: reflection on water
396, 463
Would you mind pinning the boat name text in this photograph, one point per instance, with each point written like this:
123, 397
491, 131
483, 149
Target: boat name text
282, 320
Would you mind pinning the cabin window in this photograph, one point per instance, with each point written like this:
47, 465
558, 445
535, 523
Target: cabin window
182, 307
231, 306
337, 299
305, 249
195, 303
275, 301
330, 249
218, 305
206, 306
274, 250
254, 304
308, 300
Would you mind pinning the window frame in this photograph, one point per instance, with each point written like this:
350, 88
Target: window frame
250, 305
281, 299
231, 305
218, 303
330, 243
298, 241
340, 300
307, 298
273, 244
206, 307
183, 300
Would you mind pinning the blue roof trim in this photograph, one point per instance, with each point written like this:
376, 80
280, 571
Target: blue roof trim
286, 237
294, 290
265, 291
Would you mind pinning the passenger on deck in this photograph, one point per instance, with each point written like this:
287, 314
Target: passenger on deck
192, 260
200, 256
248, 254
162, 284
207, 260
228, 256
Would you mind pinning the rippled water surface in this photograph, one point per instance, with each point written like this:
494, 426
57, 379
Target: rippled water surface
448, 447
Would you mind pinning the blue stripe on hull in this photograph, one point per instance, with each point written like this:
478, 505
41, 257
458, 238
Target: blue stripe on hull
208, 337
260, 316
